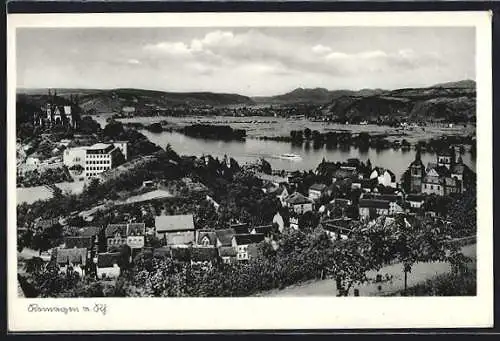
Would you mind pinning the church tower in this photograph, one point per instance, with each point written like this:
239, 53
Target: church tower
416, 173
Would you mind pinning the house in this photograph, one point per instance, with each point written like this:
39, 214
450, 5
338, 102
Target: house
384, 177
240, 228
224, 237
89, 231
317, 191
43, 224
108, 265
338, 205
280, 192
175, 229
415, 200
299, 203
75, 259
135, 235
395, 201
371, 208
266, 230
116, 235
204, 257
338, 229
79, 242
206, 238
228, 254
294, 222
241, 243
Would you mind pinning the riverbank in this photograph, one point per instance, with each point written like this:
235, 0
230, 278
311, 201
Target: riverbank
421, 272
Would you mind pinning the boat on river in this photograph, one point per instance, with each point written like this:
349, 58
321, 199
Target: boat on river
293, 157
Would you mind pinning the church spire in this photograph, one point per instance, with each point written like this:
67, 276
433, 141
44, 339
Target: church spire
418, 157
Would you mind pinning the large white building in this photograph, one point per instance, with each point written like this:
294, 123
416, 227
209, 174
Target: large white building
94, 160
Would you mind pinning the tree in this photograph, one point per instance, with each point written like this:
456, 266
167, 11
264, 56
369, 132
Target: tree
307, 133
113, 130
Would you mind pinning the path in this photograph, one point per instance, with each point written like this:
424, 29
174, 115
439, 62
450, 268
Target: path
420, 273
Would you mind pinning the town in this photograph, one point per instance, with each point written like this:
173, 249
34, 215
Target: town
150, 222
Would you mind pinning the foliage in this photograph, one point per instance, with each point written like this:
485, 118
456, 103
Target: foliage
450, 284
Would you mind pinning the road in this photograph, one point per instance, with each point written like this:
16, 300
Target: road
420, 273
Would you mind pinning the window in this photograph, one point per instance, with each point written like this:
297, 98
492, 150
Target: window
432, 186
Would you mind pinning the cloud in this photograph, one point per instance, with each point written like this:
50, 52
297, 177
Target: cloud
133, 61
321, 49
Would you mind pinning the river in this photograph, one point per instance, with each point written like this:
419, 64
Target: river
395, 160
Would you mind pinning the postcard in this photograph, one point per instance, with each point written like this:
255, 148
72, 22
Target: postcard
249, 171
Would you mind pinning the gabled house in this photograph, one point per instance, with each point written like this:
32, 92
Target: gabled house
206, 238
224, 237
384, 177
135, 235
116, 235
75, 259
317, 191
280, 192
371, 208
415, 200
228, 254
338, 229
175, 229
299, 203
241, 243
108, 265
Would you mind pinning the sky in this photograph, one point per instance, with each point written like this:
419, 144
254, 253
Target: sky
249, 61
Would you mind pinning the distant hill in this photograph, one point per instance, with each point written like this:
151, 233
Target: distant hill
448, 101
313, 96
115, 99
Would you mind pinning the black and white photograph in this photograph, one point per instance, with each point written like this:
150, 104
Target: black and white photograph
248, 161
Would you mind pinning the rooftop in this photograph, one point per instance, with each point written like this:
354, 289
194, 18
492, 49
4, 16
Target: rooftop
225, 236
296, 199
172, 223
73, 256
113, 229
372, 203
246, 239
318, 187
227, 251
108, 259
